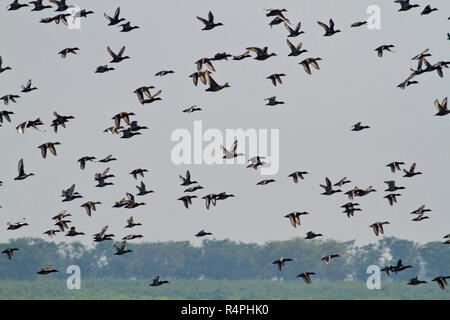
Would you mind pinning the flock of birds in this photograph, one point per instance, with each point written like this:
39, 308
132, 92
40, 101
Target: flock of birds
128, 128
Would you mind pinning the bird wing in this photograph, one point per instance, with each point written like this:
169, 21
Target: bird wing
111, 53
122, 50
117, 13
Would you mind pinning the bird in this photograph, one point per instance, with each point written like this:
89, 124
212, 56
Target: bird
421, 210
275, 21
73, 233
187, 200
199, 75
202, 233
327, 259
359, 127
163, 73
392, 187
103, 69
272, 101
192, 109
114, 20
441, 107
310, 61
306, 276
9, 252
84, 160
363, 192
221, 56
107, 159
312, 235
232, 153
378, 227
62, 6
382, 48
3, 69
137, 172
83, 13
341, 182
127, 27
120, 251
213, 85
19, 224
295, 50
349, 209
297, 175
427, 10
122, 115
255, 162
102, 235
261, 53
38, 6
405, 5
133, 237
276, 77
156, 282
66, 51
209, 198
242, 56
358, 24
280, 262
329, 30
294, 217
328, 188
63, 214
277, 13
28, 87
9, 98
209, 24
51, 233
415, 281
420, 217
193, 189
15, 5
5, 114
294, 32
400, 267
441, 281
116, 58
395, 166
266, 181
204, 61
22, 175
90, 206
50, 146
392, 197
62, 224
131, 223
46, 270
142, 190
70, 194
411, 172
186, 181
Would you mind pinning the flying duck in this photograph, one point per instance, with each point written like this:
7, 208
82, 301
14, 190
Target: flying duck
131, 223
310, 61
400, 267
392, 197
272, 101
242, 56
312, 235
50, 146
192, 109
114, 20
142, 190
294, 217
392, 187
187, 181
405, 5
328, 188
232, 153
156, 282
427, 10
133, 237
276, 77
66, 51
162, 73
127, 27
83, 161
19, 224
266, 181
28, 87
411, 173
359, 127
202, 233
103, 69
15, 5
10, 252
70, 194
5, 114
193, 189
395, 166
294, 32
116, 58
22, 175
341, 182
414, 281
441, 107
441, 281
120, 251
46, 270
1, 68
280, 262
102, 236
38, 6
261, 54
327, 259
107, 159
378, 227
51, 233
9, 98
73, 233
187, 200
329, 30
306, 276
382, 48
295, 50
62, 6
358, 24
90, 206
213, 86
297, 174
209, 24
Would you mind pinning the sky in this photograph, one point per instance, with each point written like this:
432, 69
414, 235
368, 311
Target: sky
352, 85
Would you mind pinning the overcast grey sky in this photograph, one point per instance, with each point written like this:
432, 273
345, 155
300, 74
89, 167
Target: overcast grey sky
353, 85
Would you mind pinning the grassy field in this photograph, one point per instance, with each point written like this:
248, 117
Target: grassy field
49, 288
